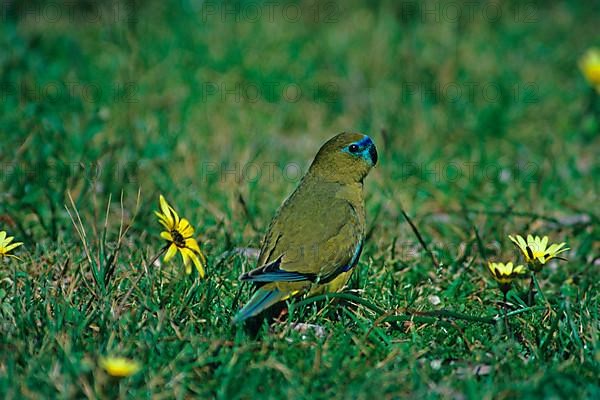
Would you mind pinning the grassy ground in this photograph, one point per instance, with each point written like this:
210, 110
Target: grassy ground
484, 128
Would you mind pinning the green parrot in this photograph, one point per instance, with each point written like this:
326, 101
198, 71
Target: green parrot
317, 235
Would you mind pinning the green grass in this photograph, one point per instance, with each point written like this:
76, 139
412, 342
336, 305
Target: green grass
134, 111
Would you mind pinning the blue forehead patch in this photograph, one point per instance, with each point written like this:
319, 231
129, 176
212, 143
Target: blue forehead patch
366, 150
364, 142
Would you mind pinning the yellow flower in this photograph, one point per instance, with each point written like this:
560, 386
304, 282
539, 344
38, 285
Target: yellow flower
119, 367
536, 250
179, 238
5, 246
590, 66
504, 274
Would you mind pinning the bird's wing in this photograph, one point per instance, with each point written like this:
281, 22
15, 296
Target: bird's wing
314, 237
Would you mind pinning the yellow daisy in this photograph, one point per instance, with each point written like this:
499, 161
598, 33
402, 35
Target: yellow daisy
119, 367
589, 64
179, 238
6, 246
536, 250
504, 274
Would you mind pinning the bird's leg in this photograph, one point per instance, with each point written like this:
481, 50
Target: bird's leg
282, 315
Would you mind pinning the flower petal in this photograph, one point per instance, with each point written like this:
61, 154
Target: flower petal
170, 252
544, 243
175, 216
519, 269
504, 269
557, 249
532, 242
192, 244
198, 264
119, 367
185, 255
519, 242
165, 210
169, 212
164, 221
185, 228
164, 206
167, 236
12, 246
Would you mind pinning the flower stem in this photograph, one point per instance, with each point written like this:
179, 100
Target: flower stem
505, 306
537, 286
531, 295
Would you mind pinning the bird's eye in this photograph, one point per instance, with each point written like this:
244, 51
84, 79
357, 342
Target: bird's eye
353, 148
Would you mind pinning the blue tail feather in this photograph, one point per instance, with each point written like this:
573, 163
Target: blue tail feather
279, 276
261, 300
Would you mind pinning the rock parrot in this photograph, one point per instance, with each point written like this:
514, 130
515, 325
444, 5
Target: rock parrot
317, 235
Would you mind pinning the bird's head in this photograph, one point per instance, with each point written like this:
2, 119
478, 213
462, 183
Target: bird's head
346, 157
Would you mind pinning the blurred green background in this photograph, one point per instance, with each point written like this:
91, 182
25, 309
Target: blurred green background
484, 125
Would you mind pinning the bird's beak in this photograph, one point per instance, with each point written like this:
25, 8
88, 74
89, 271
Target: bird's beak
373, 154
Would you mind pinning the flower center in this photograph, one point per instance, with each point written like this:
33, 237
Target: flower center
534, 252
178, 238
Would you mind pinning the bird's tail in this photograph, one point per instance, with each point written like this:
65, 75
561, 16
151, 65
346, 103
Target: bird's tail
261, 300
